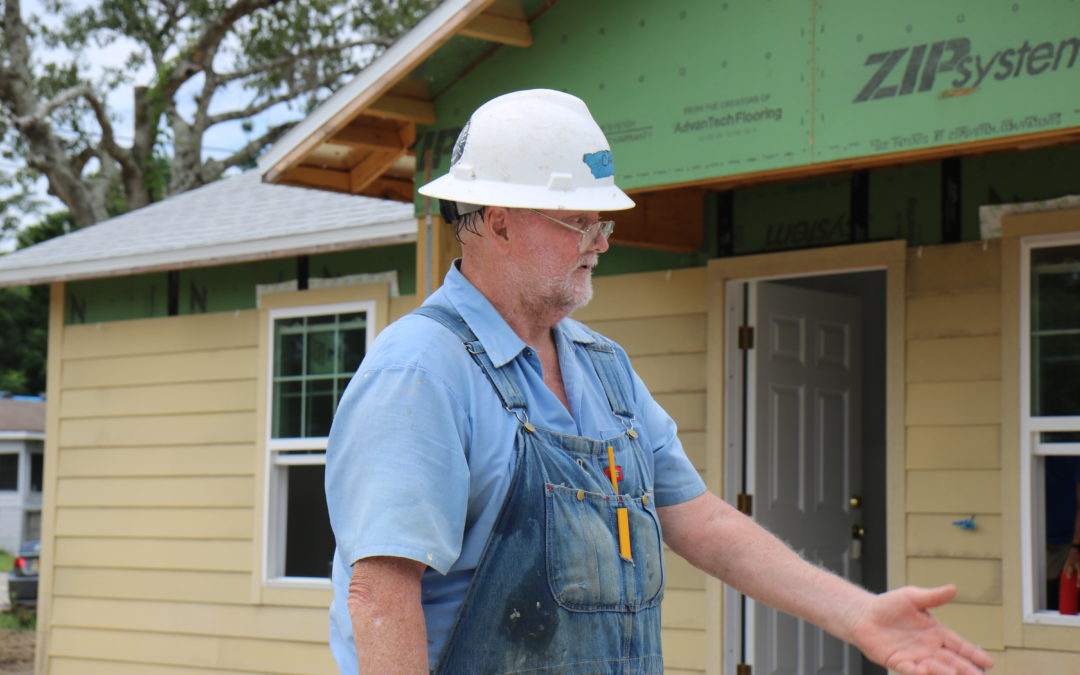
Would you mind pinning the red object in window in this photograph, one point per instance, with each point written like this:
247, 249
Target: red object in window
1067, 593
20, 563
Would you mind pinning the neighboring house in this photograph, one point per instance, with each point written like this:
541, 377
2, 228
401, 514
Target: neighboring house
851, 278
22, 441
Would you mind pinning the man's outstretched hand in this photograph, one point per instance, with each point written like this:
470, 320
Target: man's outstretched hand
897, 631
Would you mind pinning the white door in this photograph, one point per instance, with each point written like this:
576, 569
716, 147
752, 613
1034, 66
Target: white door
803, 458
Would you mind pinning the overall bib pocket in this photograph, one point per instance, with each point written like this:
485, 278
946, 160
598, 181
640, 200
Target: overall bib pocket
584, 568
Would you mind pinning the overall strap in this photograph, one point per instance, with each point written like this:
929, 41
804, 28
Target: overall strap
612, 374
509, 394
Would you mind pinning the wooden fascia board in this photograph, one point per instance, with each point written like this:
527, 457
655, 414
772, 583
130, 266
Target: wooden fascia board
377, 80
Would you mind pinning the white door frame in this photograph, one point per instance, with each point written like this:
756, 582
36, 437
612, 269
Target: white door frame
726, 277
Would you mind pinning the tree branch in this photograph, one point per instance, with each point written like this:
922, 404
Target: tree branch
251, 149
108, 138
293, 58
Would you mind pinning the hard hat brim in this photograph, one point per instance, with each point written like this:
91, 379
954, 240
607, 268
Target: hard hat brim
594, 198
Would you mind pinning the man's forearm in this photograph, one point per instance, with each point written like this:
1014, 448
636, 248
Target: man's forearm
735, 549
387, 617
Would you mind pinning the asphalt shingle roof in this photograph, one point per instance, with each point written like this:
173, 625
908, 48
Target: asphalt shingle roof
21, 415
238, 218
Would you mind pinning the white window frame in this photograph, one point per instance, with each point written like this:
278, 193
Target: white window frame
1032, 479
277, 459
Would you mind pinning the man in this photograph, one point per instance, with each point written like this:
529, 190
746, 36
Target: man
498, 476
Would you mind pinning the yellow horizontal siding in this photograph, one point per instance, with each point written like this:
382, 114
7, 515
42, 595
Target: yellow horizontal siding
210, 428
681, 575
651, 294
300, 624
954, 315
954, 447
192, 333
684, 648
684, 609
954, 403
162, 585
67, 666
672, 372
131, 370
1024, 661
956, 267
211, 491
643, 336
165, 460
954, 359
160, 399
162, 554
687, 409
977, 581
935, 536
980, 624
265, 656
694, 445
167, 523
954, 492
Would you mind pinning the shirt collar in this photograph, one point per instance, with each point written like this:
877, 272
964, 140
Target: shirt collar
500, 341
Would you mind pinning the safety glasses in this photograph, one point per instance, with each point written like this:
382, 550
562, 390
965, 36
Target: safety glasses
588, 232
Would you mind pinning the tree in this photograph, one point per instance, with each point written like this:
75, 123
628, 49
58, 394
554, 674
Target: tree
24, 318
55, 113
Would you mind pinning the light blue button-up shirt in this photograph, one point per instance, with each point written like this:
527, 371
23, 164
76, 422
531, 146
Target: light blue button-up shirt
420, 455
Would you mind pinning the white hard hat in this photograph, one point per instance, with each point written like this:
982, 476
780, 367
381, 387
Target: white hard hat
538, 149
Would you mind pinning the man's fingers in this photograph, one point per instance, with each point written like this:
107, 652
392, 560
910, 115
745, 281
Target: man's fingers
935, 597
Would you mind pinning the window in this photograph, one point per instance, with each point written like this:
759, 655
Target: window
9, 471
37, 471
1050, 419
314, 352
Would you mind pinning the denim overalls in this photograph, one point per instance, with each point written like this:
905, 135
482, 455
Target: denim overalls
551, 593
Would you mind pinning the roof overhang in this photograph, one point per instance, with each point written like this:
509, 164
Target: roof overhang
360, 141
303, 243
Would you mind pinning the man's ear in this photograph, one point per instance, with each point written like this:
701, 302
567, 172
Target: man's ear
497, 225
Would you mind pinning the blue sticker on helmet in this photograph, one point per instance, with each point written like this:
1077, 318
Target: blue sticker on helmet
600, 163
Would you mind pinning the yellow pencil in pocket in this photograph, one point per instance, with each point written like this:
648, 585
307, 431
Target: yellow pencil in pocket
621, 513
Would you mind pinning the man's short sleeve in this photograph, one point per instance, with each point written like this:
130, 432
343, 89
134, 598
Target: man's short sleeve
396, 474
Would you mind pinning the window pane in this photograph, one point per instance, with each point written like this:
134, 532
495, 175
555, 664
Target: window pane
37, 466
9, 471
319, 407
309, 543
288, 409
1055, 338
320, 345
289, 346
1057, 374
313, 353
1062, 483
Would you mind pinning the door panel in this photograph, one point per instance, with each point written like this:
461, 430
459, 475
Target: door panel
804, 457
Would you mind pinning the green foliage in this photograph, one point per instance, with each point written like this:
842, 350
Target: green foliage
19, 618
24, 318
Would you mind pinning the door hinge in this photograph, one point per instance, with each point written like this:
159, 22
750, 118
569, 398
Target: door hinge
745, 503
746, 337
744, 669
